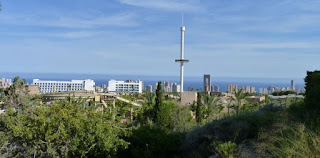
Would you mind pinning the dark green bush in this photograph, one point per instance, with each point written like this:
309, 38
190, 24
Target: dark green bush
152, 141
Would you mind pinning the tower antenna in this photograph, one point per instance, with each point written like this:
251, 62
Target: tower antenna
182, 17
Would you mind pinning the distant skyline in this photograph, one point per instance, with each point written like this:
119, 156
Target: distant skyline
247, 38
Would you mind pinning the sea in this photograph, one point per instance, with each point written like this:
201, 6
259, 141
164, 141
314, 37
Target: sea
196, 82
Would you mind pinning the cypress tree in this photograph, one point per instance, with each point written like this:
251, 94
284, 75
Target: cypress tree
312, 98
199, 111
158, 101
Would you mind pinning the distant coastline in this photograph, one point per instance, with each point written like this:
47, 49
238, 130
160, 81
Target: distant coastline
194, 82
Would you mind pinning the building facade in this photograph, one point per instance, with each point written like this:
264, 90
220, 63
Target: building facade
149, 88
215, 88
206, 83
63, 86
166, 86
125, 86
175, 87
232, 88
5, 83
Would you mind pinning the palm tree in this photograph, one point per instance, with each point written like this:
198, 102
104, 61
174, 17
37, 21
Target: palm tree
239, 97
150, 99
210, 102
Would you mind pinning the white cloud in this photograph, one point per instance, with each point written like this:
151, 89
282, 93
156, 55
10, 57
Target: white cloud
170, 5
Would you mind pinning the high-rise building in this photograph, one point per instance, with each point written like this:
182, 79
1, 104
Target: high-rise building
297, 89
232, 88
292, 85
125, 86
174, 87
215, 88
253, 90
103, 86
62, 86
260, 90
5, 83
166, 87
156, 86
178, 88
248, 89
148, 88
206, 83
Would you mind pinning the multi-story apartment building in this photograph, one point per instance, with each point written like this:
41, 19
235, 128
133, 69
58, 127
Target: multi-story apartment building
125, 86
5, 83
247, 89
148, 88
253, 90
232, 88
166, 87
215, 88
175, 87
63, 86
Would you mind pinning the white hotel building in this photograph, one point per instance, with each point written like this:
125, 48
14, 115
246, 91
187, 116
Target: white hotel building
63, 86
125, 86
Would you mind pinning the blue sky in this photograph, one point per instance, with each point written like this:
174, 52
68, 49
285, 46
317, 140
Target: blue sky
234, 38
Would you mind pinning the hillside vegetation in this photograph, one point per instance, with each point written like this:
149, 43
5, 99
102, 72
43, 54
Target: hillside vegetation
161, 128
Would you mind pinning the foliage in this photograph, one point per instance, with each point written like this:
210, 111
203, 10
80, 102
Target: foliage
152, 141
212, 109
182, 119
150, 99
199, 109
239, 97
164, 115
225, 150
312, 98
296, 142
237, 128
64, 129
280, 93
158, 100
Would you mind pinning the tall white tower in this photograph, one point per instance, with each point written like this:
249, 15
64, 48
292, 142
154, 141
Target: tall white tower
182, 60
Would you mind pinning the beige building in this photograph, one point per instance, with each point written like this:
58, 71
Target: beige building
32, 89
149, 88
253, 90
188, 97
232, 88
255, 99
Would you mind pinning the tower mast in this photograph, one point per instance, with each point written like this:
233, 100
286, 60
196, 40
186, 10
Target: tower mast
182, 60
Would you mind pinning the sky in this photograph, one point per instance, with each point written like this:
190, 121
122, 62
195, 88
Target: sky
234, 38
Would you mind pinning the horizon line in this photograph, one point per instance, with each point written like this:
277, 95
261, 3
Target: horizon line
76, 73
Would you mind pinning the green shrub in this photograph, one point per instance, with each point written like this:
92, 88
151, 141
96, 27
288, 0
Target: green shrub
61, 130
296, 142
236, 128
225, 150
152, 141
312, 98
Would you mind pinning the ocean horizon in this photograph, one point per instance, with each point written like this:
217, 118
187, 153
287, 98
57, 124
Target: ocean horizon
190, 81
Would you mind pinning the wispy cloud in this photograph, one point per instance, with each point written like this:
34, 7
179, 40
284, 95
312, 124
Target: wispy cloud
170, 5
64, 34
123, 20
278, 45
